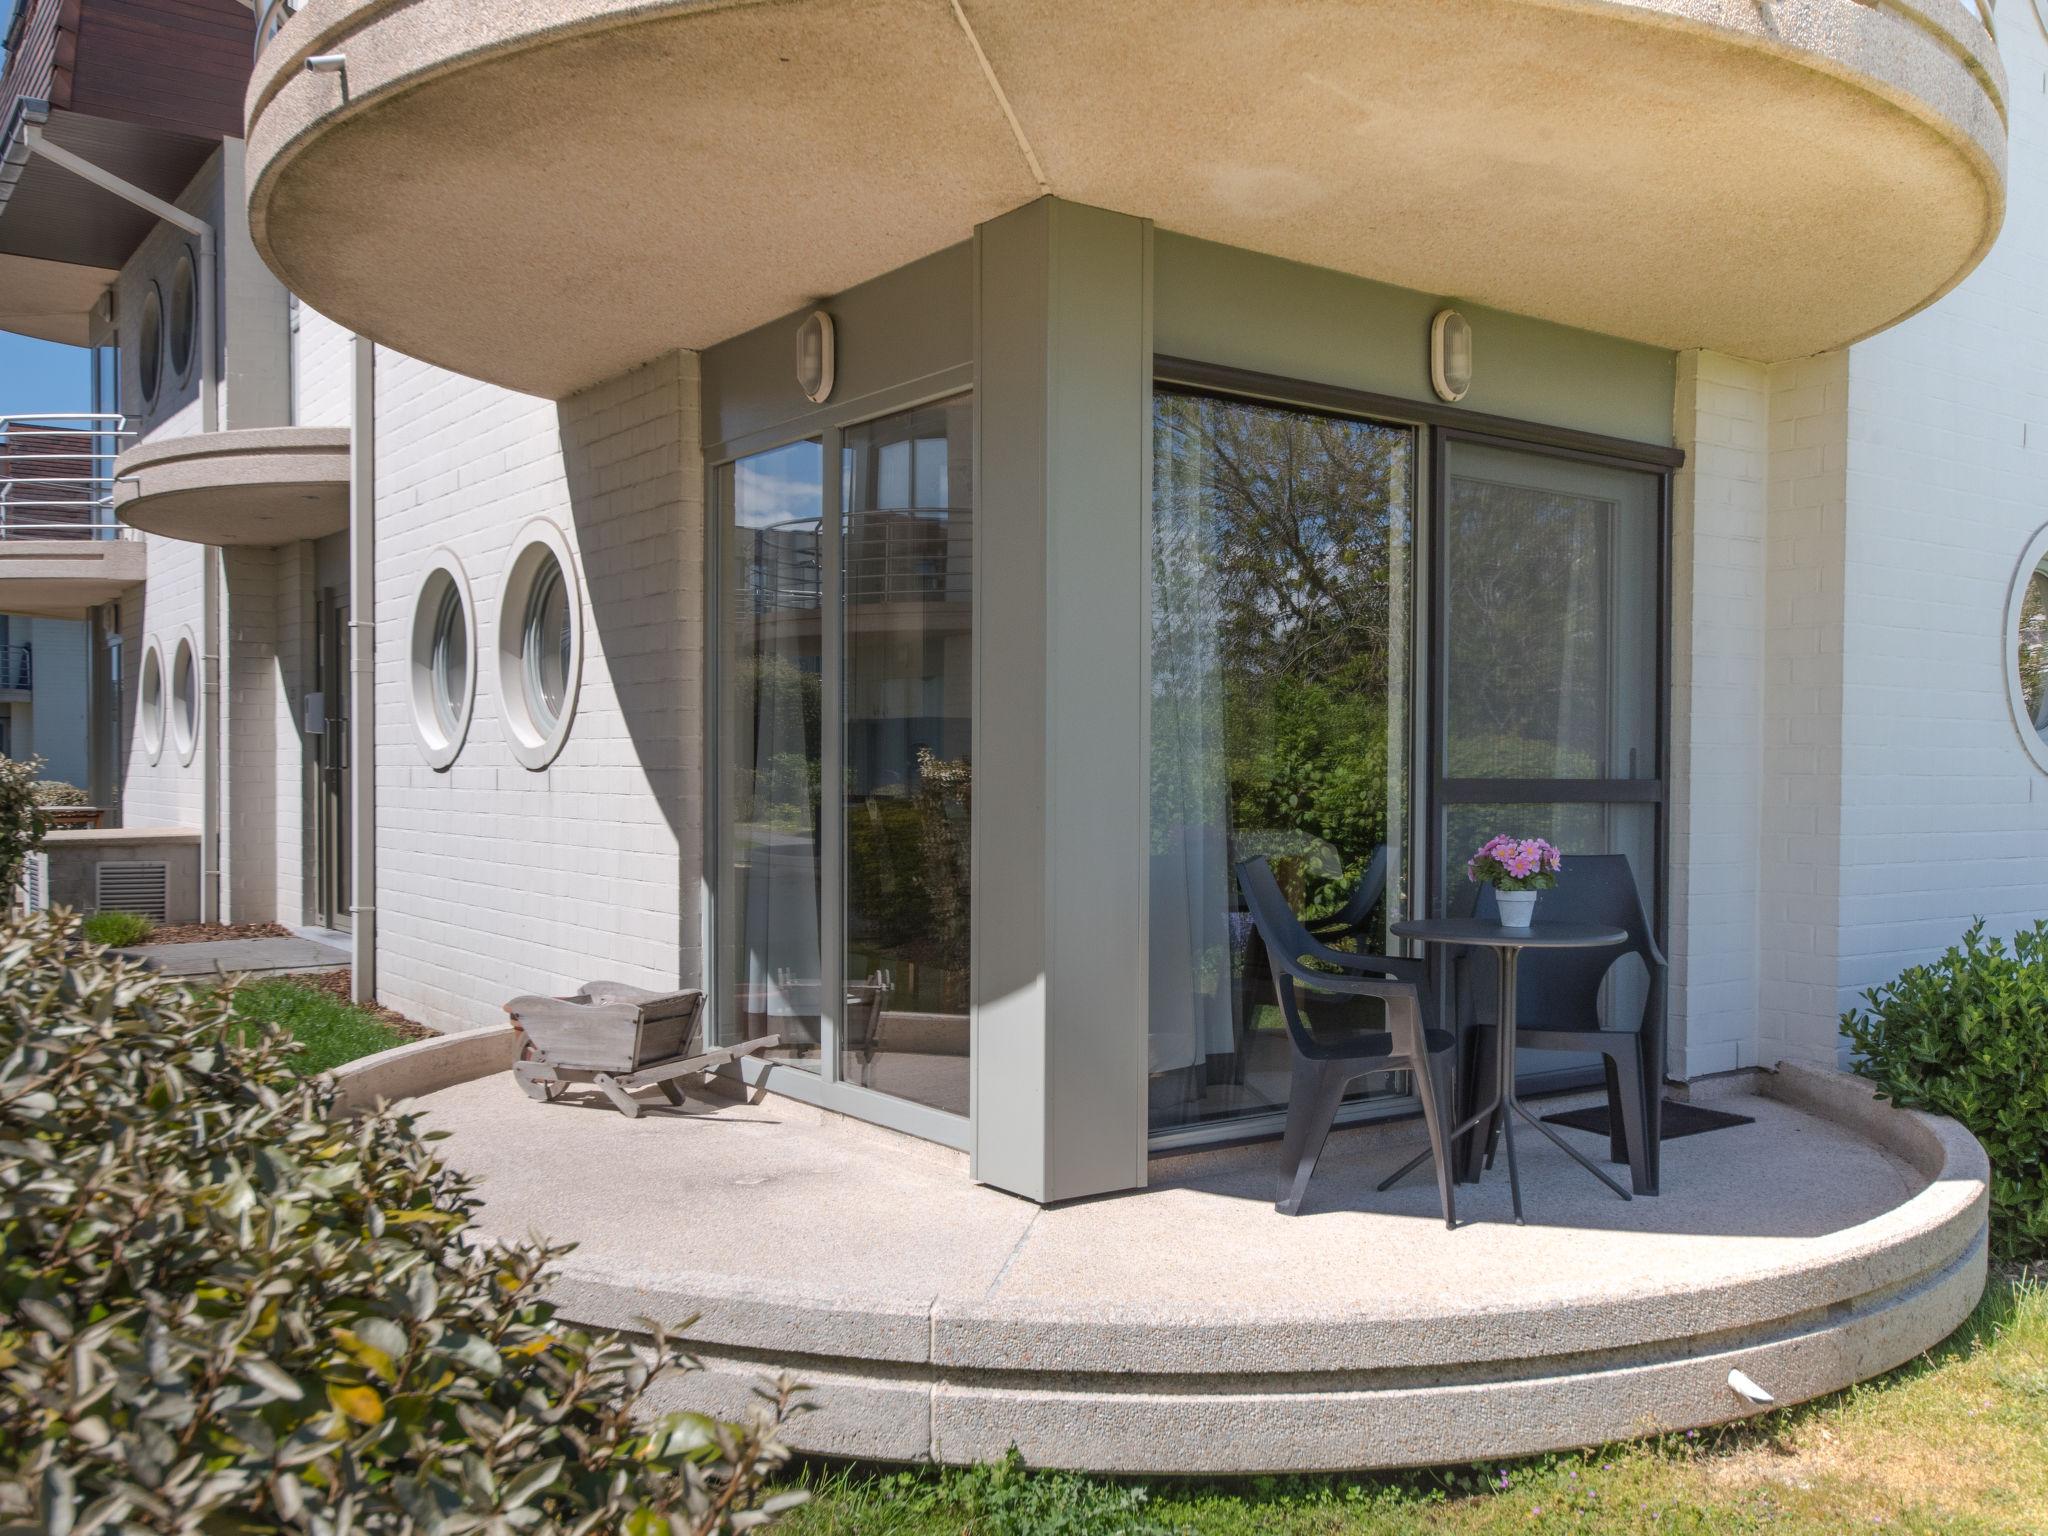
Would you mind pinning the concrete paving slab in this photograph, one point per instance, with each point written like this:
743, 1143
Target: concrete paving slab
245, 957
1189, 1327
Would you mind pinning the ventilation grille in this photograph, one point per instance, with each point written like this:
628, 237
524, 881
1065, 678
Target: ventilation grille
35, 882
133, 887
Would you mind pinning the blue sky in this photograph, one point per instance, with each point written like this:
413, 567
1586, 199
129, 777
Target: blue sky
40, 376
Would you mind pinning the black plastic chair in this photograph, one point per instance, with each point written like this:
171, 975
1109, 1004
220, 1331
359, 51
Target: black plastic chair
1365, 898
1559, 1010
1325, 1064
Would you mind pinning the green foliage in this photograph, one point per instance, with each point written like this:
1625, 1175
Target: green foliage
778, 782
57, 792
223, 1310
21, 820
118, 929
1310, 756
1967, 1037
328, 1030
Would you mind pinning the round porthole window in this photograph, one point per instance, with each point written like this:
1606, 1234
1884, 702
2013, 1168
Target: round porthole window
149, 345
185, 699
443, 661
181, 321
540, 644
149, 704
2026, 648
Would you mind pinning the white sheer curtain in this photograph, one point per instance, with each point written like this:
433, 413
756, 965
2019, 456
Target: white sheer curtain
1190, 877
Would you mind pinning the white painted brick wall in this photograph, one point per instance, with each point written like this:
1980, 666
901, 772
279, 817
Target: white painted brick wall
494, 880
1944, 816
321, 372
1719, 516
261, 801
291, 766
250, 688
1799, 922
166, 793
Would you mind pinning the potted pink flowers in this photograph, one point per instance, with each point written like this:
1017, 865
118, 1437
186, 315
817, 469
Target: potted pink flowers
1517, 868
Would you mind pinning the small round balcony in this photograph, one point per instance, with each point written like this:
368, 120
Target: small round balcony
547, 194
256, 485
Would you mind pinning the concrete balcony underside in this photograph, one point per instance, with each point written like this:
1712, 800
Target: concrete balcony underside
1189, 1327
62, 578
545, 195
257, 485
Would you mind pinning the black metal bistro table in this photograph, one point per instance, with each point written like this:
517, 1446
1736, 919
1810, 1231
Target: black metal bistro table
1509, 942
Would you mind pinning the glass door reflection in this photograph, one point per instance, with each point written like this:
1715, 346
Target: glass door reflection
773, 503
1281, 552
907, 553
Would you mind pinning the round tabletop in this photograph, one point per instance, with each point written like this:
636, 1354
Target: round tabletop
1480, 930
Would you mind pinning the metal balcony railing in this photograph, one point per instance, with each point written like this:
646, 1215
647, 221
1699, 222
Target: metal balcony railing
17, 668
57, 476
906, 557
271, 15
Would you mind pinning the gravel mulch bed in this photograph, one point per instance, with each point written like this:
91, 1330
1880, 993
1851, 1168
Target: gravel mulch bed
337, 982
207, 933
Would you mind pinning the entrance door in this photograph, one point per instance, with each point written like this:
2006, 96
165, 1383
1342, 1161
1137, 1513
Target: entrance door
331, 791
1550, 625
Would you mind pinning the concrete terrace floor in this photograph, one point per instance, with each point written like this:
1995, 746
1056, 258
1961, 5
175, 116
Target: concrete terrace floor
944, 1319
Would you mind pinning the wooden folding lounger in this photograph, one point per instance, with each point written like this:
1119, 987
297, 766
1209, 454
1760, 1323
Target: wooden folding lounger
621, 1038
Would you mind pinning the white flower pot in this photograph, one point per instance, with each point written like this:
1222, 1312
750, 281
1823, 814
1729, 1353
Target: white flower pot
1517, 908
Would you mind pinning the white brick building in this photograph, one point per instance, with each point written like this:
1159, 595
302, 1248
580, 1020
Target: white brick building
1822, 782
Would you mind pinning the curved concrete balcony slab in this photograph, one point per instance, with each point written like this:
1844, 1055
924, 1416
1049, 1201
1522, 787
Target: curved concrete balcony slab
256, 485
544, 195
1190, 1328
64, 577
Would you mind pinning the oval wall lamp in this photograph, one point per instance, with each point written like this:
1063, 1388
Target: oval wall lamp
816, 357
1450, 355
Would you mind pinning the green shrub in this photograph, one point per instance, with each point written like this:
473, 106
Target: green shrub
118, 929
21, 820
57, 792
223, 1310
1967, 1037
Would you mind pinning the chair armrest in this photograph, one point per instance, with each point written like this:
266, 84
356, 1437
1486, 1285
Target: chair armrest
1350, 985
1369, 965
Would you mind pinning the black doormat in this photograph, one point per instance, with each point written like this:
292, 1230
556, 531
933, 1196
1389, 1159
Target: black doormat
1680, 1119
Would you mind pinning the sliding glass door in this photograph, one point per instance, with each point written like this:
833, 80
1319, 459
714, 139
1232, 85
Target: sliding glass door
842, 909
1551, 624
1282, 541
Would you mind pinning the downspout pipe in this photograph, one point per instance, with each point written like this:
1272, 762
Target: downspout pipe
33, 137
362, 688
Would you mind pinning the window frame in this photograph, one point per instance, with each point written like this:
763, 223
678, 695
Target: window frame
184, 738
150, 380
535, 745
2031, 560
824, 1087
152, 717
1435, 426
441, 740
185, 273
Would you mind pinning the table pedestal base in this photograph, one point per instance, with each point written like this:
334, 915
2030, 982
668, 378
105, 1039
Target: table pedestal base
1499, 1113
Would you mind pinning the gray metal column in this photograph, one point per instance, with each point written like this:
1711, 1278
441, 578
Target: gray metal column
1062, 569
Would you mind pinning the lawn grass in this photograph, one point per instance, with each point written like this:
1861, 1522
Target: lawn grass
119, 929
1953, 1443
330, 1029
